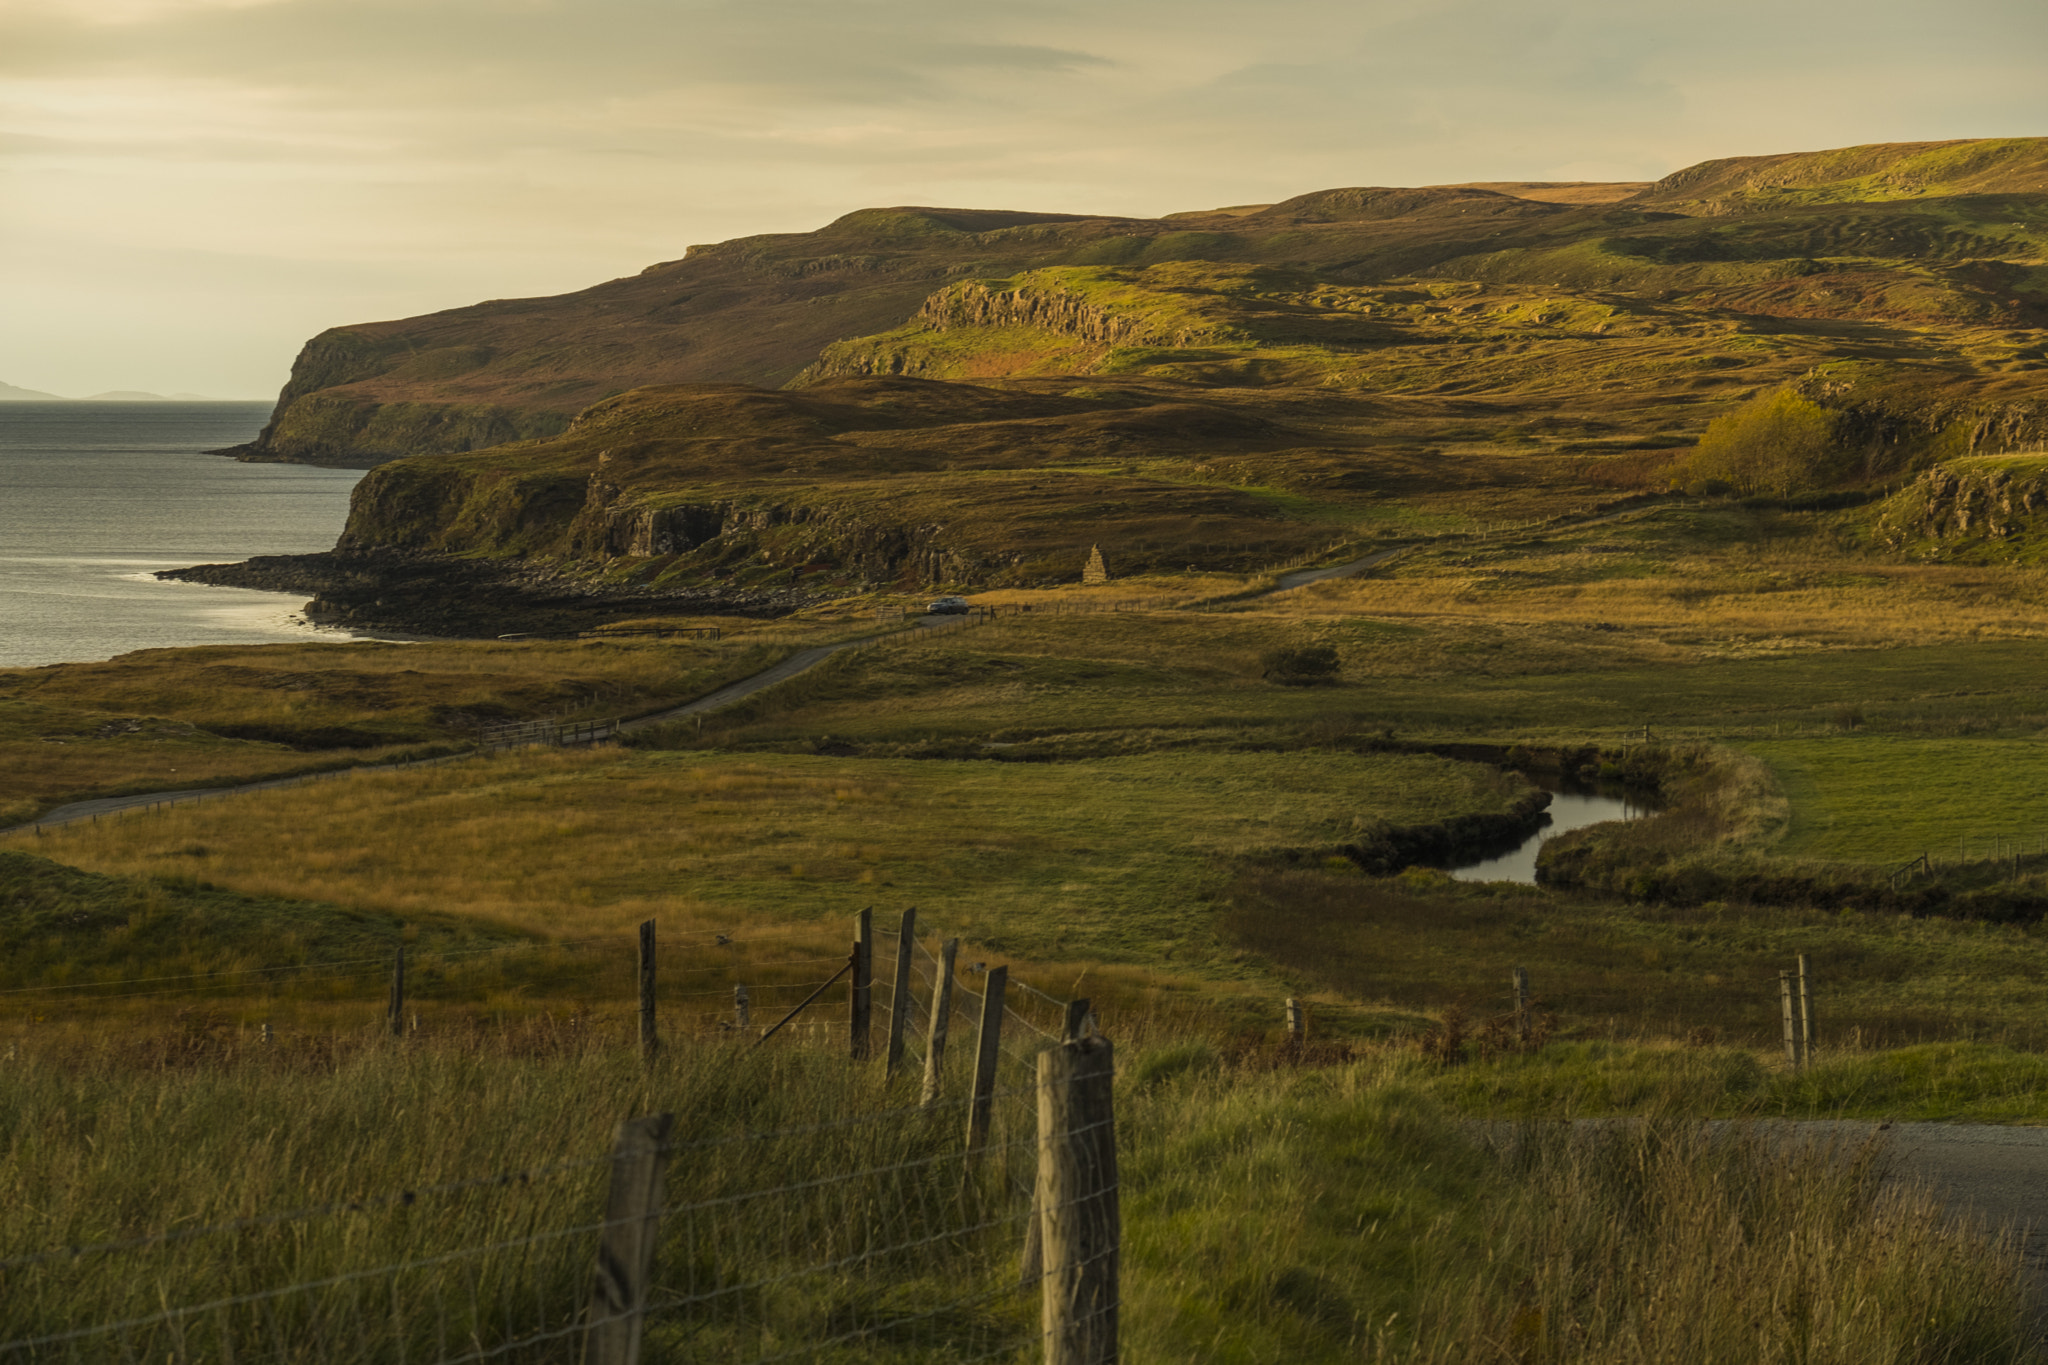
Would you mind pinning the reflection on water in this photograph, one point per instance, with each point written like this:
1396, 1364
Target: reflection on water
1568, 811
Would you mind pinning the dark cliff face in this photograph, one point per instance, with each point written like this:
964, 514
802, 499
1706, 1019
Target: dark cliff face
851, 483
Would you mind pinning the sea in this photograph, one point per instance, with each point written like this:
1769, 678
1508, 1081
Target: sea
95, 497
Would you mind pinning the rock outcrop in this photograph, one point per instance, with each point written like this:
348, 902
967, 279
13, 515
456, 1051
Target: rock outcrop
1950, 504
1059, 312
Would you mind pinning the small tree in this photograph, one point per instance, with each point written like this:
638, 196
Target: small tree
1777, 443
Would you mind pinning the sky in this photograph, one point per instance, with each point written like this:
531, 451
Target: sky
191, 188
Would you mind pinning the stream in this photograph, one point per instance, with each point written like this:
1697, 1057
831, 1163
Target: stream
1569, 809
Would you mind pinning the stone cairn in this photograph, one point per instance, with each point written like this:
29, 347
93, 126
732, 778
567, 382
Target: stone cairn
1094, 571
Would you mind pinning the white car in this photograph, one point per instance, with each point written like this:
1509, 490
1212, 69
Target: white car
948, 606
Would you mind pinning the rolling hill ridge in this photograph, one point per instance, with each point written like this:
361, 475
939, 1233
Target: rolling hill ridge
920, 396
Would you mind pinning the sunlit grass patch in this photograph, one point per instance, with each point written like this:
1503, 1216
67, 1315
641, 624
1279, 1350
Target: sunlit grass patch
1109, 858
1884, 798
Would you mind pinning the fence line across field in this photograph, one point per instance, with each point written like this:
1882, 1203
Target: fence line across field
327, 969
916, 1222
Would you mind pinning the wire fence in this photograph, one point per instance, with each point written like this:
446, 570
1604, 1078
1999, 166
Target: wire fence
914, 1231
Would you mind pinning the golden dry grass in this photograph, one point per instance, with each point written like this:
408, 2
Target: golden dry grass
1707, 605
182, 718
1102, 860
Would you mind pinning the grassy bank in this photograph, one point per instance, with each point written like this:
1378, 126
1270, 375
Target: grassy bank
1379, 949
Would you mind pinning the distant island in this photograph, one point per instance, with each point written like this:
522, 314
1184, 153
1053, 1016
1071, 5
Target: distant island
12, 393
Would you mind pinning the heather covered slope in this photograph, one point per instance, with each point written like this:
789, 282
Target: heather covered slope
1902, 237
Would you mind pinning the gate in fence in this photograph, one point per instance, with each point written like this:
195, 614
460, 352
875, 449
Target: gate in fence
516, 735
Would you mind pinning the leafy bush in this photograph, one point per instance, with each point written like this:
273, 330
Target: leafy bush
1308, 666
1776, 444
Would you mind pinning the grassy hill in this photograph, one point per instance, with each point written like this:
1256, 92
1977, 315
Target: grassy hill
1946, 234
1224, 390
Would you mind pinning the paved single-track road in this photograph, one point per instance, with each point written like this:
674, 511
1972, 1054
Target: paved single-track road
801, 661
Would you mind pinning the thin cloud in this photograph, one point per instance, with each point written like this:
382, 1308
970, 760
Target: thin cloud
472, 148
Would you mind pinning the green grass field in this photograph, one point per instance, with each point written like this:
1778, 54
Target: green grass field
1886, 798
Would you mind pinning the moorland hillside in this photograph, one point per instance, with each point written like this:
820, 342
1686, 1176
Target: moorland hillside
1923, 234
919, 397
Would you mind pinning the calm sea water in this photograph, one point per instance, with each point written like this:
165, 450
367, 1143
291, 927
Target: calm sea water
94, 497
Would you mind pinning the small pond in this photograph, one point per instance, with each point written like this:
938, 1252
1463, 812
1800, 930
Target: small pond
1570, 808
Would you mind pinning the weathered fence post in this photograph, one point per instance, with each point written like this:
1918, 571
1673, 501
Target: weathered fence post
1521, 980
988, 1046
1293, 1021
1033, 1262
625, 1251
1077, 1202
648, 1041
942, 1016
739, 1007
1785, 1004
900, 999
394, 1014
1805, 1016
863, 992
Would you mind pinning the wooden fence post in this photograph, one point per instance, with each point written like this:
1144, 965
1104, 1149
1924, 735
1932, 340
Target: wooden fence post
1077, 1202
942, 1016
900, 998
648, 1041
863, 993
1033, 1262
625, 1251
739, 1007
394, 1014
1521, 980
1293, 1021
1805, 1016
988, 1052
1785, 1004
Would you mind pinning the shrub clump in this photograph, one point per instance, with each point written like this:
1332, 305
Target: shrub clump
1777, 444
1307, 666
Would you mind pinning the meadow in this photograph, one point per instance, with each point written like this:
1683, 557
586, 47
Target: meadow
174, 719
1887, 797
1106, 860
1120, 805
1313, 1214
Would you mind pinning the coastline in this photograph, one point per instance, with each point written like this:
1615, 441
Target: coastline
444, 596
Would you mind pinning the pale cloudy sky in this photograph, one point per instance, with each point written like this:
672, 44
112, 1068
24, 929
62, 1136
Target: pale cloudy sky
190, 188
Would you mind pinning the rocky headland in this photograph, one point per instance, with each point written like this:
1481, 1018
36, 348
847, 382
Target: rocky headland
424, 593
915, 397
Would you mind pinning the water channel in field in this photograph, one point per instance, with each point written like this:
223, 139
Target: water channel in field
1571, 807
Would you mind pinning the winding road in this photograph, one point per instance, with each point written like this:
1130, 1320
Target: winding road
1983, 1172
800, 662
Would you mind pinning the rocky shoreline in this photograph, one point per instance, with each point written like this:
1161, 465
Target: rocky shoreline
442, 595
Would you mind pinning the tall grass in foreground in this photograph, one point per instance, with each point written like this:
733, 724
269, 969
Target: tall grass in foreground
1341, 1216
440, 1203
1330, 1214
